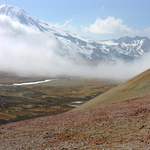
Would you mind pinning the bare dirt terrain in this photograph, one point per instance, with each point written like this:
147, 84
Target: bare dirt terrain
122, 125
57, 96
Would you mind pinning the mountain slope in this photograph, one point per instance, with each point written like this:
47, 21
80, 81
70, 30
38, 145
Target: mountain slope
123, 125
136, 86
125, 48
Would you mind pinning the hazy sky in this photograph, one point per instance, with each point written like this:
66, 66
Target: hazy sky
101, 19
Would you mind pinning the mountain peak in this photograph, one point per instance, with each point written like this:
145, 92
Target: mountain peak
139, 38
126, 48
3, 5
15, 13
21, 16
125, 39
9, 10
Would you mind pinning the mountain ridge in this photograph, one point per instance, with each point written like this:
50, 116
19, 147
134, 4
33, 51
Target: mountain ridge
125, 48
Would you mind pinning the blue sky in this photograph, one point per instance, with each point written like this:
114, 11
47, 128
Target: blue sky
100, 19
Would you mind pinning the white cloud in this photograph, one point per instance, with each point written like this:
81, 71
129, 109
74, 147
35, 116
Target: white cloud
26, 52
147, 31
71, 28
109, 25
7, 26
66, 26
103, 7
66, 22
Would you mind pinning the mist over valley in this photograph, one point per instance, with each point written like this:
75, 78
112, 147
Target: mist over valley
30, 47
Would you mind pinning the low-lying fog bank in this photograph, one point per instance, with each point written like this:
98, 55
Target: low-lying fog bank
26, 52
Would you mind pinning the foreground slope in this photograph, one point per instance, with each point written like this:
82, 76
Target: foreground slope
136, 86
122, 125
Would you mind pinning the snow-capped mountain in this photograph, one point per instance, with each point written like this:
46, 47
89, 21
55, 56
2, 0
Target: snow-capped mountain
125, 48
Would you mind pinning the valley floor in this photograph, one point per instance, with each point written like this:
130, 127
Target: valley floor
26, 100
122, 125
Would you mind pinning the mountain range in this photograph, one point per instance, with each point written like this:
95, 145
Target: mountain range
125, 48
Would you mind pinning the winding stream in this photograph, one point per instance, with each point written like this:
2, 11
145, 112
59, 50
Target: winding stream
27, 83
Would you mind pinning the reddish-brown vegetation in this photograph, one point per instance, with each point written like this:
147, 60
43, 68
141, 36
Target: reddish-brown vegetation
121, 125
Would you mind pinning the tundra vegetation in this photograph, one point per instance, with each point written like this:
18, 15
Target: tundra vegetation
57, 96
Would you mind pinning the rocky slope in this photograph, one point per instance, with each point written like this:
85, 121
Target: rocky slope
122, 125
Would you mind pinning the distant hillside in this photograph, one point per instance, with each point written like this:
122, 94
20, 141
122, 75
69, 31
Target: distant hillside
136, 86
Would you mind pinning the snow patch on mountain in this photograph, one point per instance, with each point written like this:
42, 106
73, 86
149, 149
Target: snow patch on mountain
109, 43
73, 46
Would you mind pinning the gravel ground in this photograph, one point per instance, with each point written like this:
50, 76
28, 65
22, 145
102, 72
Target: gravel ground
122, 125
